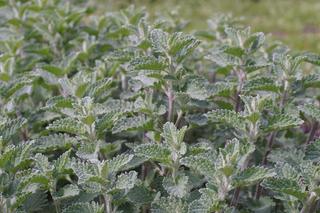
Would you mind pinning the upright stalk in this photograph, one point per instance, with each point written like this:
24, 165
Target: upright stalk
314, 128
241, 77
271, 138
170, 97
307, 207
107, 204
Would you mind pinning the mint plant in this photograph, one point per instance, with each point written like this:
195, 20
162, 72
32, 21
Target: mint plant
118, 112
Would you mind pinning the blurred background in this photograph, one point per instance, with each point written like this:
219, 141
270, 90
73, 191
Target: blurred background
295, 22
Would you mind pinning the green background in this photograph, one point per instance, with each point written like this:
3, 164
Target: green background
295, 22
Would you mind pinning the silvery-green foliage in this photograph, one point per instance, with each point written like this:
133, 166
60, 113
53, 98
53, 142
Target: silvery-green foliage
116, 113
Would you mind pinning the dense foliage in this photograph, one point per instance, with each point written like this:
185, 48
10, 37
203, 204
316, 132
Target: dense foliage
119, 113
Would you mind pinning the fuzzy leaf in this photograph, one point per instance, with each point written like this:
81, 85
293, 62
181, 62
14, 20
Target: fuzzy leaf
285, 186
311, 110
84, 208
156, 152
129, 123
68, 125
282, 122
251, 176
229, 117
177, 187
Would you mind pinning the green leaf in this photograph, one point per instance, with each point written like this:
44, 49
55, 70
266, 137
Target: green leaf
255, 41
68, 125
66, 192
126, 180
200, 164
156, 152
285, 186
172, 135
53, 142
168, 204
140, 195
251, 176
282, 122
181, 45
260, 84
228, 117
313, 151
130, 123
117, 163
148, 63
57, 71
97, 88
178, 187
224, 60
34, 179
11, 128
311, 110
159, 41
84, 208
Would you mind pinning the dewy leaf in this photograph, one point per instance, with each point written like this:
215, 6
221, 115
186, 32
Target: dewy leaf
252, 175
129, 123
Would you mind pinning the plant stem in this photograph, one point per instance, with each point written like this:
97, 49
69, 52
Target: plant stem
309, 203
236, 194
264, 162
313, 131
270, 141
180, 113
170, 96
107, 204
241, 77
235, 198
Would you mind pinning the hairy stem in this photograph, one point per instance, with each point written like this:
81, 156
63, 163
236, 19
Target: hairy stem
313, 131
235, 198
307, 207
264, 162
241, 77
170, 97
236, 194
270, 143
107, 204
180, 113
